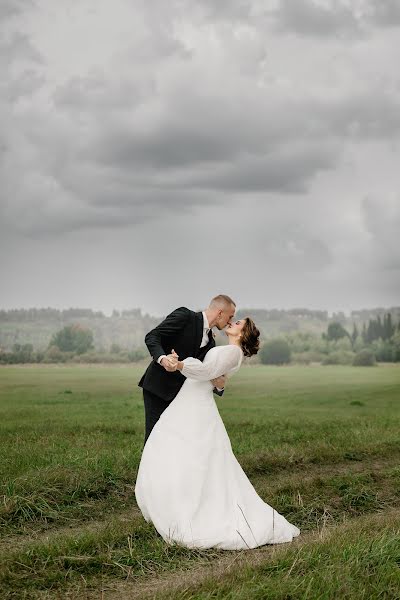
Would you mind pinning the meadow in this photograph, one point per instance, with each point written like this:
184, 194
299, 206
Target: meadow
320, 444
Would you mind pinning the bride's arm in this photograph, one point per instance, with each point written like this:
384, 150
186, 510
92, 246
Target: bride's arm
222, 362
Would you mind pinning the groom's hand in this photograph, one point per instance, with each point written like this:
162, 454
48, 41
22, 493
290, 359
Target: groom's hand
169, 363
219, 382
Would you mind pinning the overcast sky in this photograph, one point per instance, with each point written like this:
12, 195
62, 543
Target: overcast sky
154, 154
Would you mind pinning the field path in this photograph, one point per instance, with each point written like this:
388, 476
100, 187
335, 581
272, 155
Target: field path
182, 580
307, 473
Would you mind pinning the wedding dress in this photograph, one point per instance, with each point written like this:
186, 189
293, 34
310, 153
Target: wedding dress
190, 484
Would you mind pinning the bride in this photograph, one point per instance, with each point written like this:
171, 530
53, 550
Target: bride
190, 484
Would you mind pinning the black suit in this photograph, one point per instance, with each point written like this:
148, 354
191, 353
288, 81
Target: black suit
181, 330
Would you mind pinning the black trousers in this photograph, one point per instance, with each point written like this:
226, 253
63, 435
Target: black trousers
154, 406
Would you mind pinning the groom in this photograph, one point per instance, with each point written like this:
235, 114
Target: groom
189, 334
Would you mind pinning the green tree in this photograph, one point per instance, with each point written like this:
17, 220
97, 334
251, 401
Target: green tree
335, 332
354, 335
364, 333
275, 352
388, 327
73, 338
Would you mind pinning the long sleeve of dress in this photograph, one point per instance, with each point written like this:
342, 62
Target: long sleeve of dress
220, 363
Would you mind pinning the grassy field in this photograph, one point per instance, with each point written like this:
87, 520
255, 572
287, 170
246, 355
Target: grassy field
320, 444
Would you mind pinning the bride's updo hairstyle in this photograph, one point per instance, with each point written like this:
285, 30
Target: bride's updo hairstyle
250, 338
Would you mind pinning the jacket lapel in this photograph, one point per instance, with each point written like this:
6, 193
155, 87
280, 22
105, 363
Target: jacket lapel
198, 336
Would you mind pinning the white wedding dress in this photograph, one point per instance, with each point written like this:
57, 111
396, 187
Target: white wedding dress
189, 483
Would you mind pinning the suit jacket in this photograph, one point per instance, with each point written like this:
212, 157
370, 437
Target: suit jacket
181, 330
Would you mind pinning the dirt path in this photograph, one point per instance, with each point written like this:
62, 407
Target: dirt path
17, 542
189, 578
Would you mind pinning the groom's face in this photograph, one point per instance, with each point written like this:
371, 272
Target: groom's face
225, 317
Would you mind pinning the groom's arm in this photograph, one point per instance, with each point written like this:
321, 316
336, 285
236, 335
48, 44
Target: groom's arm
219, 385
172, 324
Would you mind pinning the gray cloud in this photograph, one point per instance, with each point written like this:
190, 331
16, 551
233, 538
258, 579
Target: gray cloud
19, 47
309, 17
11, 8
382, 221
385, 13
200, 133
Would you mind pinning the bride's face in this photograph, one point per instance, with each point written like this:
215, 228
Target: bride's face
234, 329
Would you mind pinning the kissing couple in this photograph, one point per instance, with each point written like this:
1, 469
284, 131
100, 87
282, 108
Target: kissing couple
189, 483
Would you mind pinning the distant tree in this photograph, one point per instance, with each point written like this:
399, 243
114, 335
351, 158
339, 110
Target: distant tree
388, 327
396, 347
137, 354
275, 352
335, 332
339, 317
73, 338
364, 333
354, 335
21, 353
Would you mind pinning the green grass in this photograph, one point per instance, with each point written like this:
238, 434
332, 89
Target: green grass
353, 563
320, 444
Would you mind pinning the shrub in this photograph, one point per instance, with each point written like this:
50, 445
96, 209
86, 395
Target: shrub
99, 357
364, 358
383, 350
275, 352
340, 357
305, 358
73, 338
54, 355
137, 355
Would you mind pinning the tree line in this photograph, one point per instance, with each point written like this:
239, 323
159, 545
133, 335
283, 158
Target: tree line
379, 340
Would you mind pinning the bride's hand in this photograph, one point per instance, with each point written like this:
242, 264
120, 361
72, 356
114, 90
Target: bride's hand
173, 359
174, 355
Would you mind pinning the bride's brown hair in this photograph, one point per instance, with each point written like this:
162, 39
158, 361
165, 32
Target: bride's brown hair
250, 338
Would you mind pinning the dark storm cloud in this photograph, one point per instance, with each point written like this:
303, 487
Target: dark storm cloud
384, 13
191, 150
287, 170
209, 143
233, 10
10, 8
309, 17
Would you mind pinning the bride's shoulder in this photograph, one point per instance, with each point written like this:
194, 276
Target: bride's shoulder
232, 349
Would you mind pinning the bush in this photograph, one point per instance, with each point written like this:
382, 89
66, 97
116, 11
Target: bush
364, 358
340, 357
54, 355
99, 357
275, 352
138, 354
383, 350
305, 358
73, 338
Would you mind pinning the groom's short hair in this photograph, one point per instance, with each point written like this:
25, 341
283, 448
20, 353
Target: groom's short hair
222, 299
